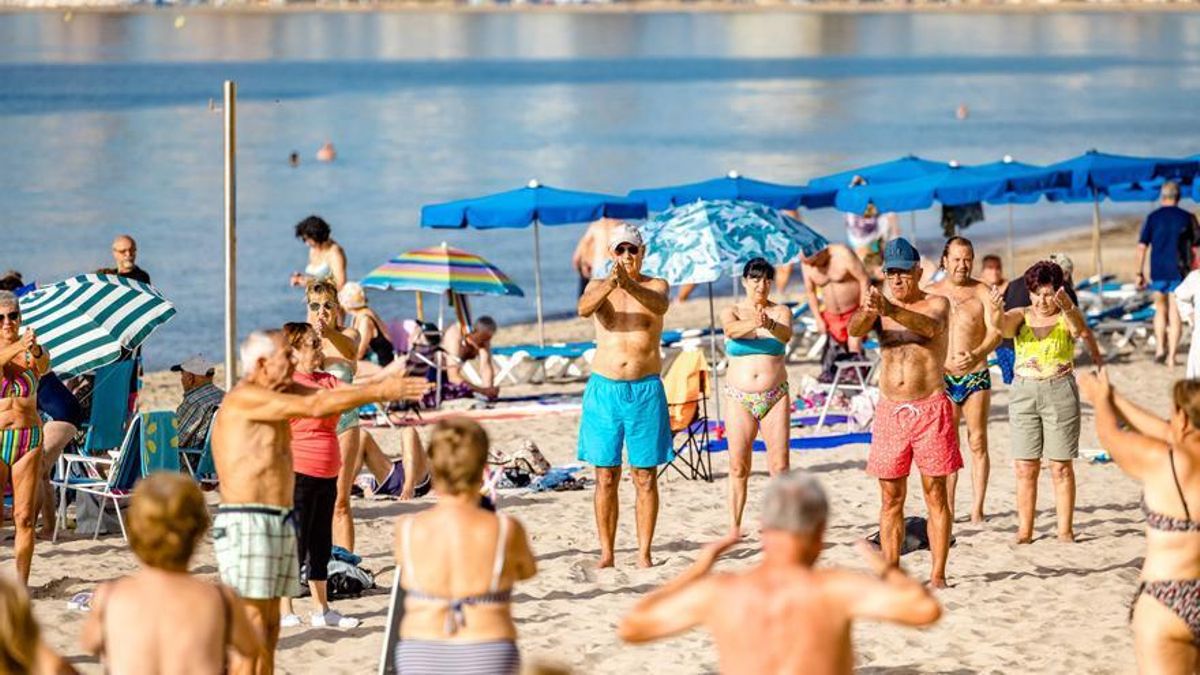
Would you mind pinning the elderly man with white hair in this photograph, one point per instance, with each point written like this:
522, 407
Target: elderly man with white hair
783, 615
253, 536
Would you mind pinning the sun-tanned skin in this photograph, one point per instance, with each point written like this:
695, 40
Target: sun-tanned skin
844, 282
251, 443
975, 311
19, 350
913, 345
627, 310
783, 616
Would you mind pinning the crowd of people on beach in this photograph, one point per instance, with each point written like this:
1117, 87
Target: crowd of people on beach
288, 448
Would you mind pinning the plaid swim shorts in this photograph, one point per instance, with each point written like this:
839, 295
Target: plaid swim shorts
255, 546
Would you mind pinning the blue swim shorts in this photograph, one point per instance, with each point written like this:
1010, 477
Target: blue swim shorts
632, 413
1164, 286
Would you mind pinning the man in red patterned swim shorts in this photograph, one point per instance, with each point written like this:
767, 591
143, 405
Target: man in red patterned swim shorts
914, 420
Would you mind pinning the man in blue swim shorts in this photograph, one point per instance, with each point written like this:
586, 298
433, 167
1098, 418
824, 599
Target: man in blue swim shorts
975, 313
625, 404
1171, 237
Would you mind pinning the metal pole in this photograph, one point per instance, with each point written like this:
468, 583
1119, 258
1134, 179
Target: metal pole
537, 280
712, 351
1012, 256
439, 356
230, 234
1096, 242
912, 221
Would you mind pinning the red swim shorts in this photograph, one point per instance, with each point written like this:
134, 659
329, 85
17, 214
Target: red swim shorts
922, 430
838, 324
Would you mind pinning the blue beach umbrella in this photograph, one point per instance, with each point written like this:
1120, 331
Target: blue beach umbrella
1097, 175
699, 242
823, 191
995, 183
535, 205
730, 187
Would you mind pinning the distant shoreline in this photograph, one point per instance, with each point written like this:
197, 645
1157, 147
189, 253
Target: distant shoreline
655, 7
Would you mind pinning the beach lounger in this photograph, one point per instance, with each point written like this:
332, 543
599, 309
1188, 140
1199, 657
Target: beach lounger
687, 387
566, 361
123, 466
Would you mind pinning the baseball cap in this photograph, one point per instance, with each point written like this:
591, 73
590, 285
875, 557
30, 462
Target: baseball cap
1063, 261
898, 254
625, 234
195, 364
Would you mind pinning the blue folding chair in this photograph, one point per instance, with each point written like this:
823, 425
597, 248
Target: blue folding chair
200, 461
123, 473
110, 408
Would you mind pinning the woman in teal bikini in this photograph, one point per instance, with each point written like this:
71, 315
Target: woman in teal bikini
757, 332
22, 364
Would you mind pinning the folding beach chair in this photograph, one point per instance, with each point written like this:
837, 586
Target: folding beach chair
200, 461
123, 466
559, 362
854, 376
109, 417
687, 404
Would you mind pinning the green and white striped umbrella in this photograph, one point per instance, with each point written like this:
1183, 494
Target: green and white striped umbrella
86, 321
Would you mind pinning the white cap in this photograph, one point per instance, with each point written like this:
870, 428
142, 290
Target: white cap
624, 234
195, 364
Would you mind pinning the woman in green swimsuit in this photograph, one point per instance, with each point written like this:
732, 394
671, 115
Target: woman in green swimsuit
757, 332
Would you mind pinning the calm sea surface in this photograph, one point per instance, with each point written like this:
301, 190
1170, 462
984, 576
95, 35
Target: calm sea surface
105, 126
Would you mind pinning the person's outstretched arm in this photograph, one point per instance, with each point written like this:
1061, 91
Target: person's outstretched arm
680, 604
263, 405
891, 596
1129, 449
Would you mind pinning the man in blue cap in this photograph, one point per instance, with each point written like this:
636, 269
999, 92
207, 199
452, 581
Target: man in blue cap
914, 420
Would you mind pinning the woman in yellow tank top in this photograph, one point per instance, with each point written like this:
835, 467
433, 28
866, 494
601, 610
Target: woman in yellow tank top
1043, 409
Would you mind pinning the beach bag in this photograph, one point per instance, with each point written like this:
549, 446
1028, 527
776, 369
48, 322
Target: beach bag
87, 510
916, 536
862, 408
347, 580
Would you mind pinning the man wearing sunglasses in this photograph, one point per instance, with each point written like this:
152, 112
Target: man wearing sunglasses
625, 404
914, 419
124, 251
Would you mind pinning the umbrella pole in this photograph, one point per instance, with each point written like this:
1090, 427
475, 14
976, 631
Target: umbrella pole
537, 280
712, 351
230, 234
1096, 258
439, 358
912, 223
420, 306
1012, 256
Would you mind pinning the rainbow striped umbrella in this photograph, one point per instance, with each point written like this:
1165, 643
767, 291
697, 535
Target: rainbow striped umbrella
438, 269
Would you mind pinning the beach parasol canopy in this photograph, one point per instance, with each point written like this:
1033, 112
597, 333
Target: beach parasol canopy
1095, 175
85, 322
995, 182
699, 242
732, 187
536, 205
823, 191
439, 269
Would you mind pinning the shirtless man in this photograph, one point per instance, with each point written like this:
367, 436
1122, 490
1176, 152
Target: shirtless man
845, 281
784, 615
914, 419
475, 344
625, 403
975, 311
591, 253
253, 537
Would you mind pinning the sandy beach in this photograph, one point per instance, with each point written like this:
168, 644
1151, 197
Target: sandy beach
1045, 608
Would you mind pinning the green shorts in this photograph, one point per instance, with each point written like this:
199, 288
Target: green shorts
1044, 418
255, 546
347, 420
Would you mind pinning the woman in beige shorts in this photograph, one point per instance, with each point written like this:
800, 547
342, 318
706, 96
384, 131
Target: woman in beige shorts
1043, 409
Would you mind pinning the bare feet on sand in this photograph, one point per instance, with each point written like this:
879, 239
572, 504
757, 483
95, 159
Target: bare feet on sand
1068, 537
606, 560
938, 583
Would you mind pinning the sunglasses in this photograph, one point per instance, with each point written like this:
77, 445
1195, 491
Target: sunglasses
13, 316
315, 306
622, 249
